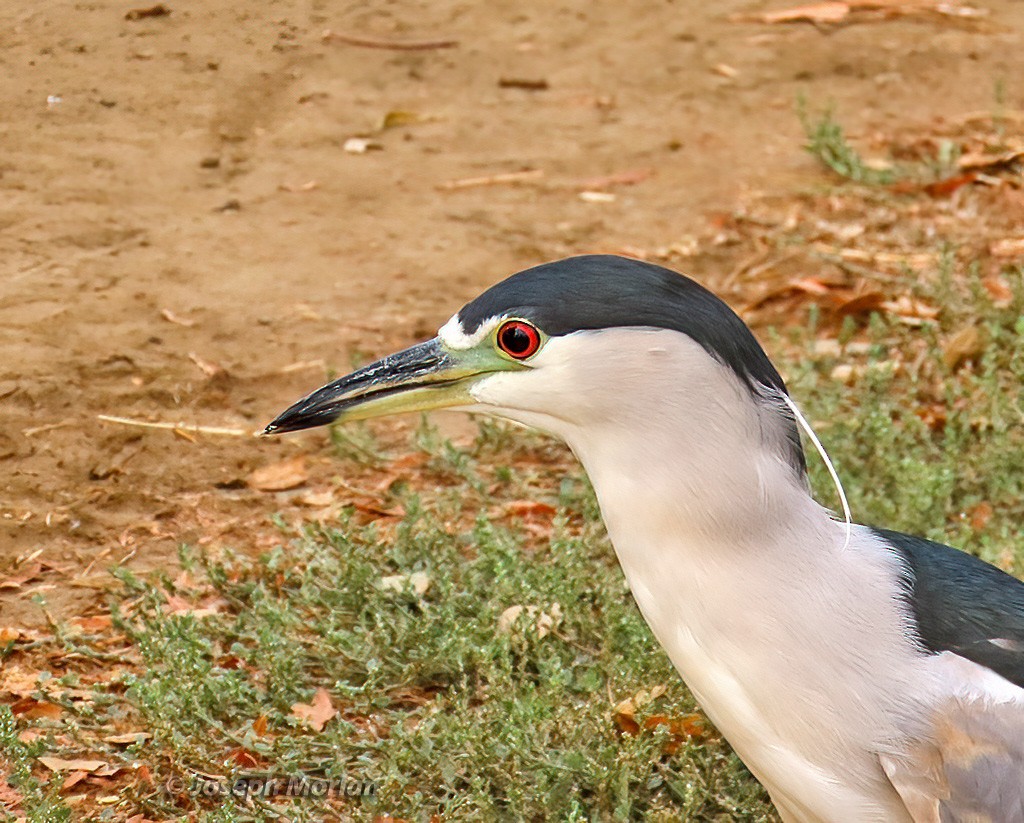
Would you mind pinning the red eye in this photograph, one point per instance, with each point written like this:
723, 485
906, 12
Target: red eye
518, 339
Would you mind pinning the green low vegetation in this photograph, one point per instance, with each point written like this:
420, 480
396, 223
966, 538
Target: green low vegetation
446, 704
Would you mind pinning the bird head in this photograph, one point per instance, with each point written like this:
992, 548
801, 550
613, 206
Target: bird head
594, 344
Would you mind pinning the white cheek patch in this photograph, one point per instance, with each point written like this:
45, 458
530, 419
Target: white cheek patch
454, 337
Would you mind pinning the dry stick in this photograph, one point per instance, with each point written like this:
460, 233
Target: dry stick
377, 43
184, 427
493, 179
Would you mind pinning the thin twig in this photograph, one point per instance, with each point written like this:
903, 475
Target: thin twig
182, 427
493, 179
32, 432
378, 43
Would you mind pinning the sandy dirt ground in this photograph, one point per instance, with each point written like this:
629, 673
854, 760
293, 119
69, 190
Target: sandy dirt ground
189, 232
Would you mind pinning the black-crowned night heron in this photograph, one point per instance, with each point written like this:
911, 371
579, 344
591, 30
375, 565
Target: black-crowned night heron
861, 674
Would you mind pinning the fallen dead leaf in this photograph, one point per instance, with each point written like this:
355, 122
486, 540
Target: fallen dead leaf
315, 500
999, 290
179, 605
243, 758
73, 779
529, 508
97, 623
944, 188
419, 582
292, 188
1008, 247
985, 162
59, 764
10, 797
171, 317
911, 311
18, 681
259, 725
966, 344
542, 621
508, 617
287, 474
159, 10
207, 367
32, 709
26, 575
361, 145
680, 729
128, 738
838, 12
9, 634
829, 12
980, 515
317, 712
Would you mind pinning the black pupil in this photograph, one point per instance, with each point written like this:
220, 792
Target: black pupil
516, 339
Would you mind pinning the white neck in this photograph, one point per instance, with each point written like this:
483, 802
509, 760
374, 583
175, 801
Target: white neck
742, 576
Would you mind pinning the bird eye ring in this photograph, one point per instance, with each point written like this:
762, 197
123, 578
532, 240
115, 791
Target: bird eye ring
518, 339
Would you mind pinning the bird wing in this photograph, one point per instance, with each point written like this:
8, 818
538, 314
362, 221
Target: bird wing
971, 768
963, 605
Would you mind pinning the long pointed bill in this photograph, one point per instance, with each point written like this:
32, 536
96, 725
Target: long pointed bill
425, 376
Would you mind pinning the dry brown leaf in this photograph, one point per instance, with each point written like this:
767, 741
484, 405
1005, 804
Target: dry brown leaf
315, 500
171, 317
999, 290
159, 10
980, 515
18, 681
179, 605
93, 624
73, 779
529, 508
259, 725
828, 12
911, 311
680, 729
10, 798
317, 712
988, 162
1008, 247
966, 344
865, 303
32, 709
419, 582
243, 758
837, 12
207, 367
413, 697
292, 188
508, 617
26, 575
944, 188
9, 634
287, 474
128, 738
59, 764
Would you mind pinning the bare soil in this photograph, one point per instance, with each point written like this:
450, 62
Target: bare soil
187, 234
